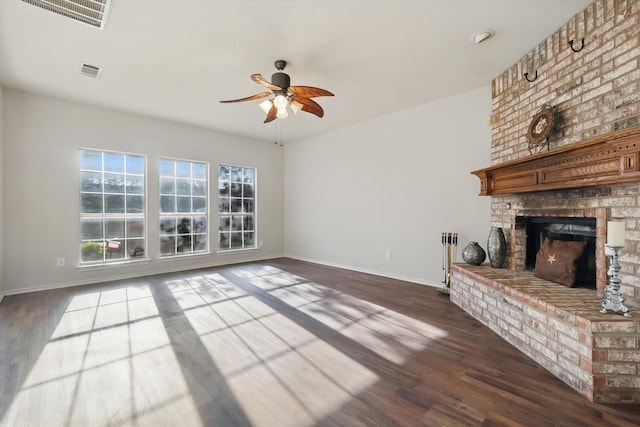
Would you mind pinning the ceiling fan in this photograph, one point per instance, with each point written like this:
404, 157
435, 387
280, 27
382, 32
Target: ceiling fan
295, 97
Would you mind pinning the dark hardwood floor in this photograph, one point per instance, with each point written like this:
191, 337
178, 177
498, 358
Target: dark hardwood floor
274, 343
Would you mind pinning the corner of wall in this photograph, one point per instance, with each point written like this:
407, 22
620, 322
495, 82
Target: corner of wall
1, 196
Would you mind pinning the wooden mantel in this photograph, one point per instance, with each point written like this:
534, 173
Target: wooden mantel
608, 159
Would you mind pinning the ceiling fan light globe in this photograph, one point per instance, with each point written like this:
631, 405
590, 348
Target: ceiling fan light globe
296, 106
265, 106
282, 113
280, 102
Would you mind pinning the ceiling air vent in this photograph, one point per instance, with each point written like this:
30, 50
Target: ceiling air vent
90, 70
90, 12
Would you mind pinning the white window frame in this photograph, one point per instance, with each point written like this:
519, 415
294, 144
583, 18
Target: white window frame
174, 241
237, 229
99, 245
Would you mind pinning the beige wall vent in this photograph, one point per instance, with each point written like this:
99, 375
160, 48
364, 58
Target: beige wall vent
91, 12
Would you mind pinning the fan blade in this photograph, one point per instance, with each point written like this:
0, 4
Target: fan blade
309, 91
271, 115
310, 106
262, 81
248, 98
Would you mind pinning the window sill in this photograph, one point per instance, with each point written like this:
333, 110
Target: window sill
183, 256
235, 251
104, 266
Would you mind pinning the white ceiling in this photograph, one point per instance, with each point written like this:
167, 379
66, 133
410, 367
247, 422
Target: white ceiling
175, 59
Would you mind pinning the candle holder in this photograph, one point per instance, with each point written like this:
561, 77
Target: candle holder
611, 299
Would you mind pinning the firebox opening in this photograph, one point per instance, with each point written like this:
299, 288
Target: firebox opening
563, 228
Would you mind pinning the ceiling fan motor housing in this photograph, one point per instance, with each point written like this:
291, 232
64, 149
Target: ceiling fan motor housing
281, 79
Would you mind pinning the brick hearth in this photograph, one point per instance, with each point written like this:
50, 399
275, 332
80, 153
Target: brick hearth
560, 328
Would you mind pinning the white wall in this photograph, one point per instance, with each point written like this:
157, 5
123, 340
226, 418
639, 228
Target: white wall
391, 184
1, 197
41, 201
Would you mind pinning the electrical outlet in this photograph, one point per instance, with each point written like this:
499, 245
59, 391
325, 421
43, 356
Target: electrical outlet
260, 243
60, 262
387, 255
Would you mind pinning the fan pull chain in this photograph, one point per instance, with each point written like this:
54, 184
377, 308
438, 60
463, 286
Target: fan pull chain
278, 125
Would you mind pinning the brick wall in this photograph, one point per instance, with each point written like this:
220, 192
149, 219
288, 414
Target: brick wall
595, 91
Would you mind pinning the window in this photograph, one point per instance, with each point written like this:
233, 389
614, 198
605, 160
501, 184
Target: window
236, 207
112, 206
183, 207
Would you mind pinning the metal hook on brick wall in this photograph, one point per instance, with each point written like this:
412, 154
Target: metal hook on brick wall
526, 76
574, 49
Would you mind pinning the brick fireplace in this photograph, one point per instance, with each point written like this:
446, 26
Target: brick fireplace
561, 328
590, 169
594, 94
597, 178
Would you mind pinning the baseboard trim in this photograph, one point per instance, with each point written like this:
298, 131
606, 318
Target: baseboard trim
172, 269
368, 271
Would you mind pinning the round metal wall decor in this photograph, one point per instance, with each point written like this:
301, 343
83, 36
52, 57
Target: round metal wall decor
540, 128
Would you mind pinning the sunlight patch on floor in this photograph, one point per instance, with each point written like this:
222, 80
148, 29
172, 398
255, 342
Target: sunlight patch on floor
264, 355
97, 364
115, 356
389, 334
